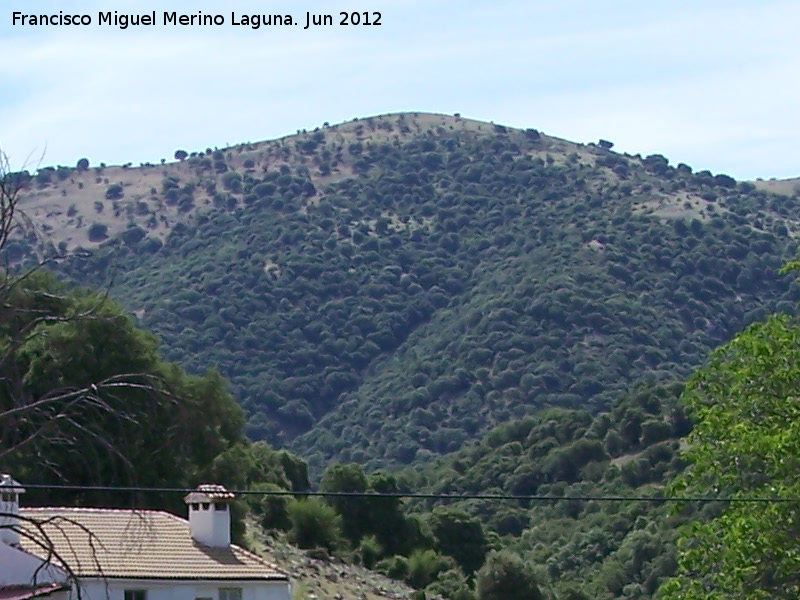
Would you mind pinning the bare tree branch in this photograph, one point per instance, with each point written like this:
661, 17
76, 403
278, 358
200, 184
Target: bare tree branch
37, 532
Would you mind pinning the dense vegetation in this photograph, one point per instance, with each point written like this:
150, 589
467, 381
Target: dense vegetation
385, 295
559, 546
746, 445
604, 549
597, 528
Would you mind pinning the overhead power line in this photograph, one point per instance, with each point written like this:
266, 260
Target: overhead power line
423, 495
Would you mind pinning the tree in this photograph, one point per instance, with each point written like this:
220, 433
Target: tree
181, 155
83, 164
506, 577
97, 232
353, 510
314, 524
396, 533
746, 444
114, 192
84, 396
424, 567
461, 536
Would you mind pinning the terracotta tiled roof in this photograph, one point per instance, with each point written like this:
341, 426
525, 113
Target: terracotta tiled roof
209, 492
140, 544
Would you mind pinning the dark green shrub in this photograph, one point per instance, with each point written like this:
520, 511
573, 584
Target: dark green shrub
114, 192
425, 565
395, 567
370, 551
314, 524
97, 232
460, 536
506, 577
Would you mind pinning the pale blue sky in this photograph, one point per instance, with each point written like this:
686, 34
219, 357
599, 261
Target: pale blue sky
713, 84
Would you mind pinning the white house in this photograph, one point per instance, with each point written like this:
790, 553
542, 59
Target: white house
126, 554
23, 575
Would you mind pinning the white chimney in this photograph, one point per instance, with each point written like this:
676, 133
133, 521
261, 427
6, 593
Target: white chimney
9, 509
210, 515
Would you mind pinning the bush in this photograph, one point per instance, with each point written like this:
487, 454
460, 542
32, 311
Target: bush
272, 510
370, 551
506, 577
98, 232
461, 536
425, 565
232, 181
314, 525
654, 432
451, 584
395, 567
133, 235
114, 192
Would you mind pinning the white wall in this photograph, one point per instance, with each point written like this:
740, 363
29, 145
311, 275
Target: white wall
210, 526
10, 509
96, 589
19, 568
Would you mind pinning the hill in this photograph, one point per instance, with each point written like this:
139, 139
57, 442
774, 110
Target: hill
386, 290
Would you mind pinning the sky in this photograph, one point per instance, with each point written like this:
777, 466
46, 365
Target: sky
713, 84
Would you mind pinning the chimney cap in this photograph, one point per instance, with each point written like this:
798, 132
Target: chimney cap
6, 482
209, 492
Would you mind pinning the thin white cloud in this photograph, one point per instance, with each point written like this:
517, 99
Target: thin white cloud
714, 86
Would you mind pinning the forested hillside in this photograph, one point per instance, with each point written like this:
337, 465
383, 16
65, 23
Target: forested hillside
602, 549
389, 289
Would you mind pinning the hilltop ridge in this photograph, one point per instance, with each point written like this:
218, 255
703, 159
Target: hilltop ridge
66, 201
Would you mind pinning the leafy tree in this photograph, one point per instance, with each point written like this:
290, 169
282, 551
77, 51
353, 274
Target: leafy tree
272, 510
314, 524
459, 535
746, 444
83, 164
95, 380
506, 577
397, 533
353, 510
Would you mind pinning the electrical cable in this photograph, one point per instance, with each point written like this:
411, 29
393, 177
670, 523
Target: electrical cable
422, 495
